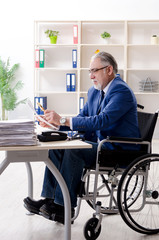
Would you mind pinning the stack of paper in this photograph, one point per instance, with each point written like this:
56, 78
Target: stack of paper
17, 132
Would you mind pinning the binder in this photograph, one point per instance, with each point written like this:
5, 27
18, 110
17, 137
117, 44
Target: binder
43, 102
37, 58
73, 82
81, 103
41, 54
68, 82
37, 109
74, 58
75, 34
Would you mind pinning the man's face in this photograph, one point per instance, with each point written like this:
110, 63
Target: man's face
100, 77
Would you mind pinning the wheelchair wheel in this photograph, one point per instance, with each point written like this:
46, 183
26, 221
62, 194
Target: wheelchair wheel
143, 214
89, 229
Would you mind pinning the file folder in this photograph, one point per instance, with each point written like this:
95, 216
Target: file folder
68, 82
75, 34
43, 102
37, 58
74, 58
81, 103
42, 53
37, 109
73, 82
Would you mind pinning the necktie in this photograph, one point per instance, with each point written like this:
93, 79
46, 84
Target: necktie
100, 101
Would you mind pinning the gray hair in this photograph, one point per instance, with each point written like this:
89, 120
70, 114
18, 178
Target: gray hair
107, 58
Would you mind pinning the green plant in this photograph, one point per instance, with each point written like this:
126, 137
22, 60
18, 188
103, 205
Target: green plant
8, 87
51, 33
105, 35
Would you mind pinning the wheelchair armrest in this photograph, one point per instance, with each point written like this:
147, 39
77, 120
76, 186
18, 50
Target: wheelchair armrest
125, 139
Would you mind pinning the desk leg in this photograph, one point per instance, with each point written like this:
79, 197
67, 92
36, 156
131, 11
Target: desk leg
3, 165
66, 197
30, 179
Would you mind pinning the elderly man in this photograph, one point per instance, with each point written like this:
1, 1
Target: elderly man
110, 110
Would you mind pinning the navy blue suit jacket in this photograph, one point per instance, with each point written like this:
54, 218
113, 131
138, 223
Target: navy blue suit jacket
118, 115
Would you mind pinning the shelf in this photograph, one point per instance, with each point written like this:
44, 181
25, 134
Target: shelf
130, 44
52, 92
102, 45
142, 69
56, 69
143, 45
55, 45
83, 92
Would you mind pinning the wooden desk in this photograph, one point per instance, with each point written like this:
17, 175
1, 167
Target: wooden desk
39, 153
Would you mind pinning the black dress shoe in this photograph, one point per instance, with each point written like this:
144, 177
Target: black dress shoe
34, 206
55, 212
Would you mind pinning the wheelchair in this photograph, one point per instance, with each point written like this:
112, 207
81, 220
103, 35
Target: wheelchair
125, 182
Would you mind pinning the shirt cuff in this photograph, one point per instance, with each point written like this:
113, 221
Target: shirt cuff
71, 123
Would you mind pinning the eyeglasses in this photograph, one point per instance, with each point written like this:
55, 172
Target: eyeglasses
93, 70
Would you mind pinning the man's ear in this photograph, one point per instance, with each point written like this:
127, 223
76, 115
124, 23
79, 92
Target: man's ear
109, 70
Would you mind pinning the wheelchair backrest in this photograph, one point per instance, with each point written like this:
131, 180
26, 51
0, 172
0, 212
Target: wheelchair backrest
147, 122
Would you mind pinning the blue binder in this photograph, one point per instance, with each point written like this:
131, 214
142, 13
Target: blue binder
73, 82
81, 103
43, 102
74, 58
37, 109
68, 82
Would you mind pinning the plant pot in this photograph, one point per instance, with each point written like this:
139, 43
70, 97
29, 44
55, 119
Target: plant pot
107, 40
53, 39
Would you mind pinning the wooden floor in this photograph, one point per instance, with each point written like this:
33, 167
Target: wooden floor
15, 224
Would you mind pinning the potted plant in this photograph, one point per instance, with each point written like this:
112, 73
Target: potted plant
106, 36
9, 88
52, 35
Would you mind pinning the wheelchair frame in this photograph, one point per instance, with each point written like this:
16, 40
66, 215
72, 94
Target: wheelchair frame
125, 200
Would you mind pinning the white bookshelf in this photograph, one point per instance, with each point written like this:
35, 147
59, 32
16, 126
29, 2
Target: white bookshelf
130, 44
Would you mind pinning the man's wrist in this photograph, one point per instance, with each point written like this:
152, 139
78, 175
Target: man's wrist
64, 121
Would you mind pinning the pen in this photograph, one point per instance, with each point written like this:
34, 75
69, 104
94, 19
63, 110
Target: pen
40, 106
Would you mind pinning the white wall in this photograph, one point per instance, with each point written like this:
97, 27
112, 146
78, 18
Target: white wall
17, 28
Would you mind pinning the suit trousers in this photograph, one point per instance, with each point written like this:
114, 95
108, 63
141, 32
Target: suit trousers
70, 163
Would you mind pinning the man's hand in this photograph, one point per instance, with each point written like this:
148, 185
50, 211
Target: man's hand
52, 117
